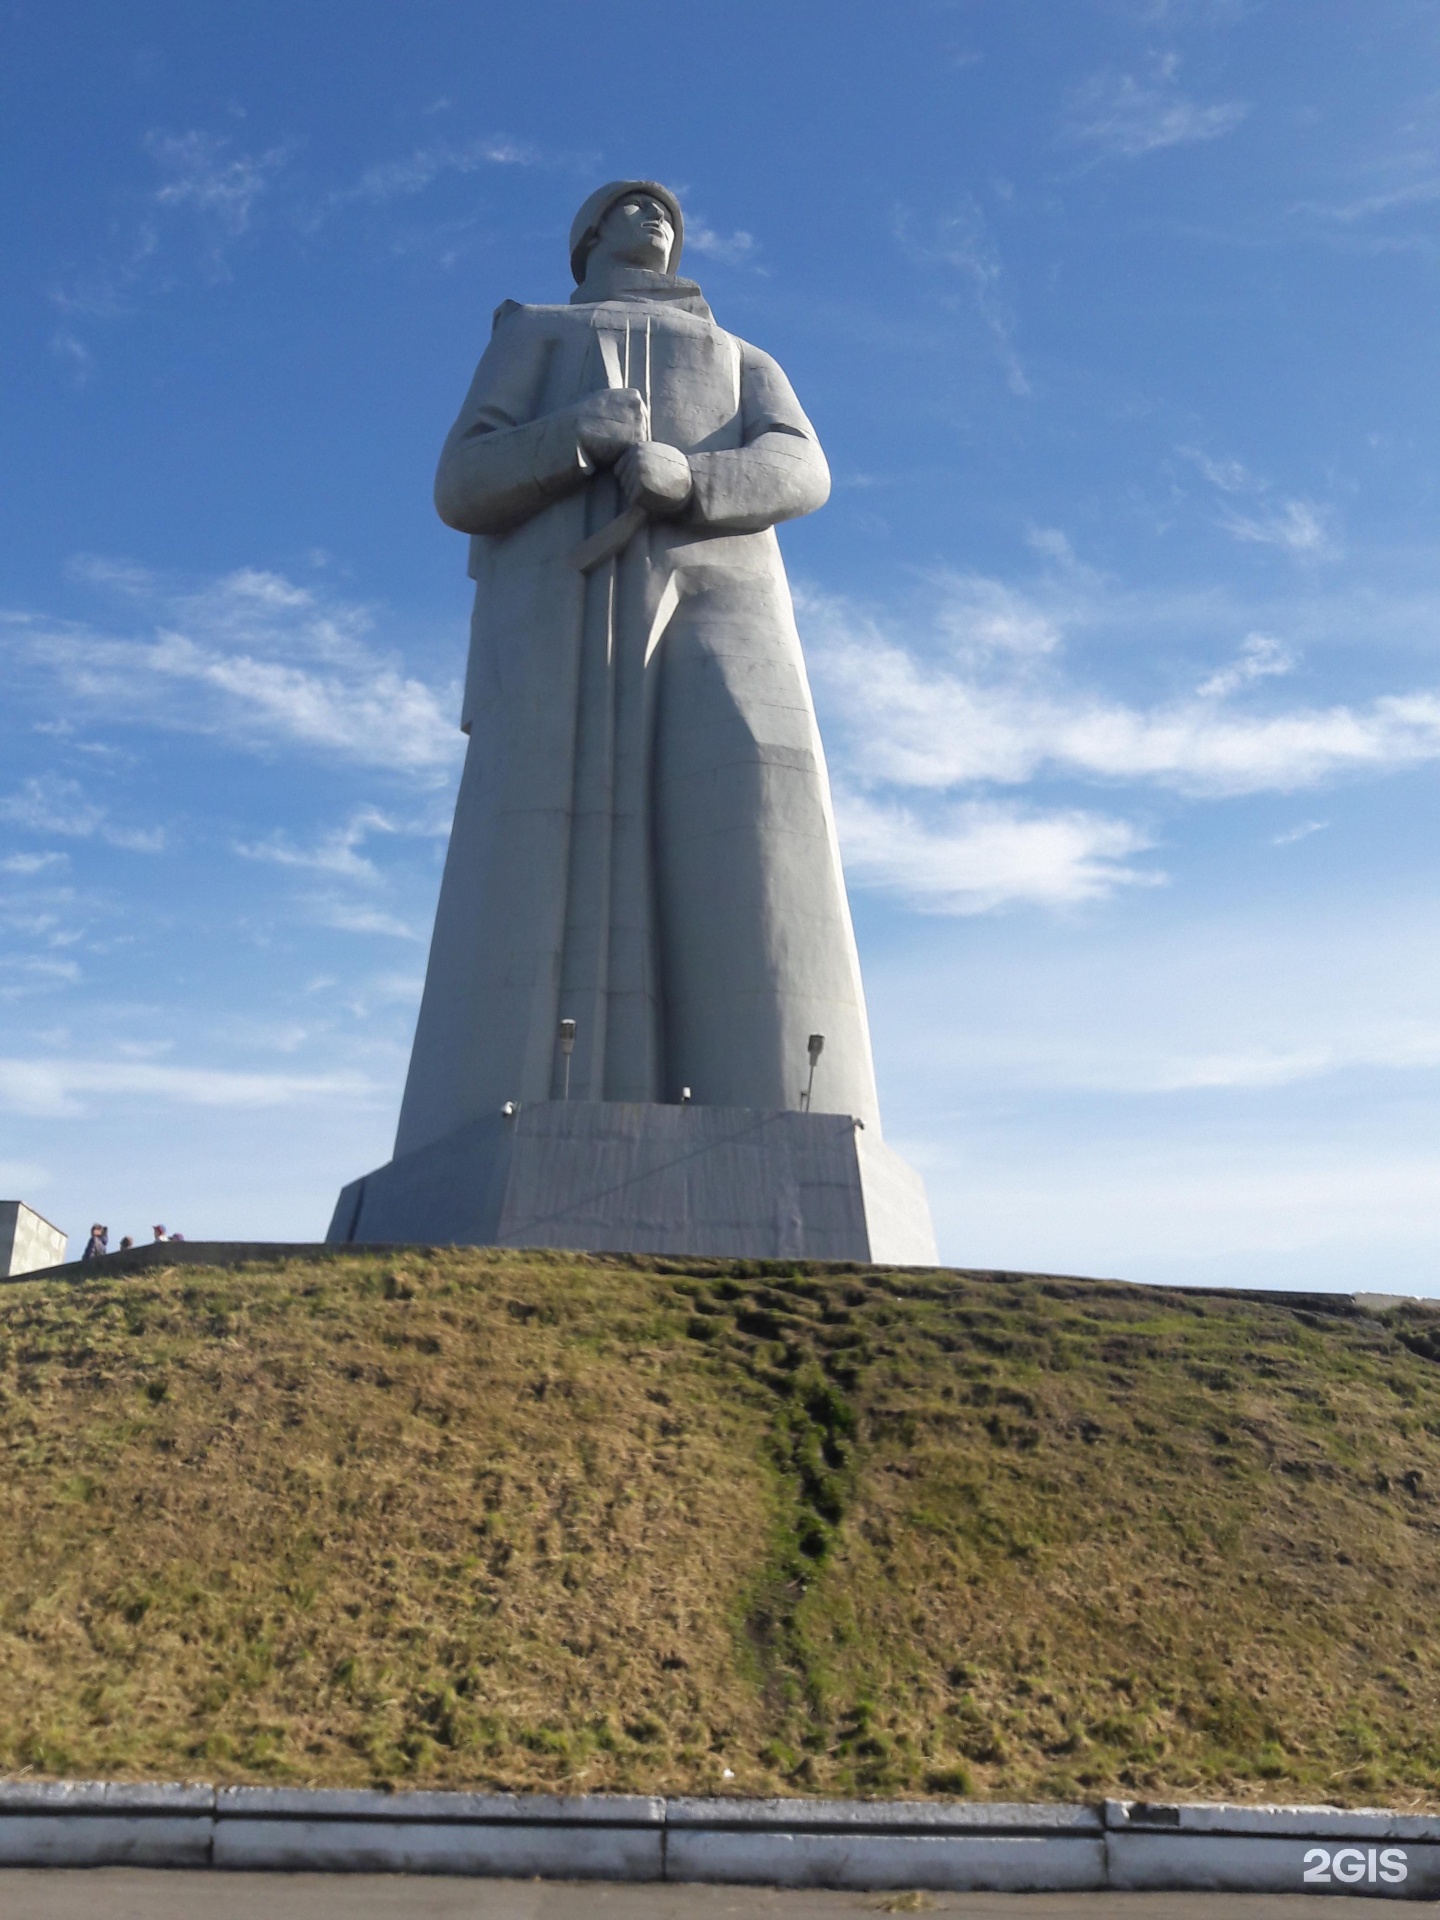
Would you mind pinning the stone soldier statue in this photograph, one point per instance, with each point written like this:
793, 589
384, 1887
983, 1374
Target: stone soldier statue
643, 840
643, 1023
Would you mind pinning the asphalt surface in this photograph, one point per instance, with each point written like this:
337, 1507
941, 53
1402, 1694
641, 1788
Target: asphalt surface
129, 1893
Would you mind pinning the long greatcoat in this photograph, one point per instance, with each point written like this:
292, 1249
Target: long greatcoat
643, 837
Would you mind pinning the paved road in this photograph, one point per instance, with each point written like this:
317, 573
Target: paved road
127, 1893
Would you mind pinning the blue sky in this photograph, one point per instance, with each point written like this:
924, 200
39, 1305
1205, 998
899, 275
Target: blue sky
1118, 320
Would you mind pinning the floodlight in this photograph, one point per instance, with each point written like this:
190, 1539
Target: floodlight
567, 1047
814, 1046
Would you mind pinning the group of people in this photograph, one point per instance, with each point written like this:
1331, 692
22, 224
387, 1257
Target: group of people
99, 1241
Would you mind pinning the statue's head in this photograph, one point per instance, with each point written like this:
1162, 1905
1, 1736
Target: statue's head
630, 223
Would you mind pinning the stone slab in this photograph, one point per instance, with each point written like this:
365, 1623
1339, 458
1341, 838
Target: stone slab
119, 1839
513, 1850
868, 1861
105, 1823
1214, 1847
872, 1844
28, 1241
301, 1830
617, 1177
897, 1210
1254, 1863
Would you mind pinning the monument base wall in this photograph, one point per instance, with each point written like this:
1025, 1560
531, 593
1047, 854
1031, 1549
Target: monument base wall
611, 1177
27, 1240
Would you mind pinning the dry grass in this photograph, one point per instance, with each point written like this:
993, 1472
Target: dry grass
543, 1520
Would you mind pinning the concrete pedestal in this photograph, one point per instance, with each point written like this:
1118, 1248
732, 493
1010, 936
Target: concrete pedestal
610, 1177
27, 1240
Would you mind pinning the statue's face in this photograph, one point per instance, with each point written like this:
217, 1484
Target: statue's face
637, 232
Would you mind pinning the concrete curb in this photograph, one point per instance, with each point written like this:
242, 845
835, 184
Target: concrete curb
1364, 1850
590, 1837
92, 1823
854, 1844
868, 1844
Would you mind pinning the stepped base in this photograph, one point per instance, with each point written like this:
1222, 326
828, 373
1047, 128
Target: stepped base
609, 1177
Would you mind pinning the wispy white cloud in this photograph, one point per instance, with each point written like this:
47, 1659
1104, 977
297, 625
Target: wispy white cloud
975, 856
205, 177
208, 198
337, 852
1230, 476
249, 656
934, 722
339, 856
402, 989
144, 1049
73, 354
961, 240
1395, 1046
1303, 832
414, 172
350, 916
1295, 525
1130, 117
730, 249
1399, 174
28, 863
50, 970
205, 201
1176, 13
1053, 544
22, 975
48, 803
57, 1088
983, 621
38, 914
1261, 657
1367, 206
123, 577
1175, 1004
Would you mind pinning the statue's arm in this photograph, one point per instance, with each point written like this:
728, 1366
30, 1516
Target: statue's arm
777, 474
501, 465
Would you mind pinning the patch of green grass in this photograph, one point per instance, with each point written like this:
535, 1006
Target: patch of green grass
542, 1520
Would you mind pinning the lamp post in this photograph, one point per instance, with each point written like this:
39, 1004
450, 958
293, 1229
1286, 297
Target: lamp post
567, 1047
815, 1046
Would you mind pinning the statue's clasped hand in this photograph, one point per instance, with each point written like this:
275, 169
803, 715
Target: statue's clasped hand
612, 421
614, 431
654, 477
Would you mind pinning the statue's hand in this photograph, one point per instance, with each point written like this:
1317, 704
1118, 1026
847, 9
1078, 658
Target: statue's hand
654, 476
610, 421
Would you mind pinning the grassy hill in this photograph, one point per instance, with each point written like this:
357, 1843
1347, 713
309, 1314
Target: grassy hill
536, 1521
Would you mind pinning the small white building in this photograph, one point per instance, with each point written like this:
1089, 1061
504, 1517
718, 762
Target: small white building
27, 1240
